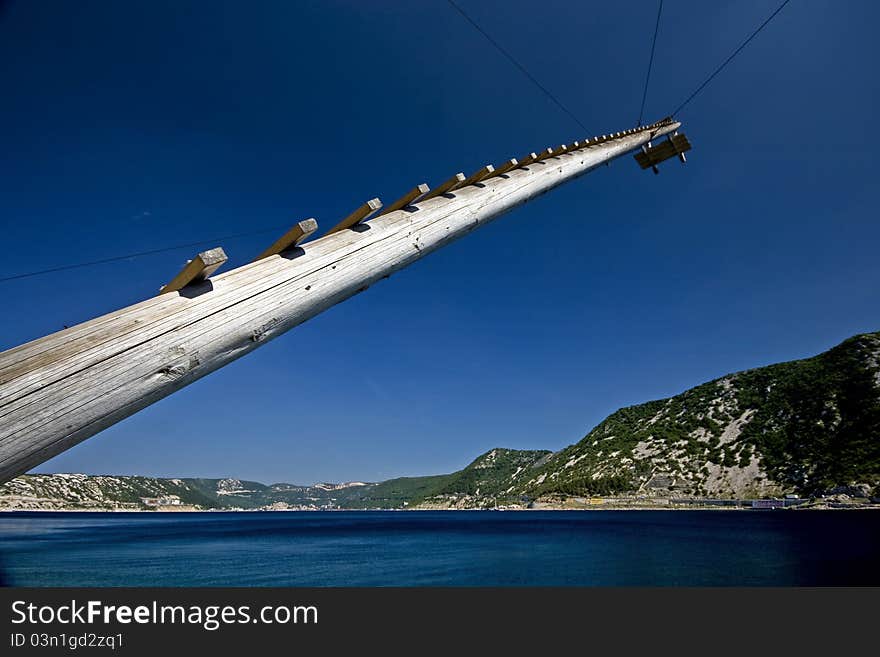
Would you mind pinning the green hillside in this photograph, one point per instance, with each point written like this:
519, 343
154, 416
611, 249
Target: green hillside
810, 427
806, 426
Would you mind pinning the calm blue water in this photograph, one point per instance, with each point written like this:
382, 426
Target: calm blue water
578, 548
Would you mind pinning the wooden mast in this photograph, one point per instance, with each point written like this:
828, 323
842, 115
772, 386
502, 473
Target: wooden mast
63, 388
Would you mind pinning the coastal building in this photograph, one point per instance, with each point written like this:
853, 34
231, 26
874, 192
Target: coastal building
165, 500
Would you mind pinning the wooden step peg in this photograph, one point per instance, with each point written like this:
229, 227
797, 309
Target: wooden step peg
478, 175
409, 198
507, 166
291, 238
452, 184
196, 270
361, 214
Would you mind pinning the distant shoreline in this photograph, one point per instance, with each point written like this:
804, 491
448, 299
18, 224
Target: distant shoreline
79, 493
694, 507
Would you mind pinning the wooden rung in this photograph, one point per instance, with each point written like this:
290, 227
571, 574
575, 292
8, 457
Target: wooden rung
291, 238
408, 199
559, 150
196, 270
453, 183
507, 166
478, 175
543, 155
528, 159
359, 215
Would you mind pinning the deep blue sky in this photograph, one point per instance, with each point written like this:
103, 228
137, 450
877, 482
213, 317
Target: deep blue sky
126, 126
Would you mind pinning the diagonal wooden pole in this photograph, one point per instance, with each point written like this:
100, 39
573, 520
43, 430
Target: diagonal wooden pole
61, 389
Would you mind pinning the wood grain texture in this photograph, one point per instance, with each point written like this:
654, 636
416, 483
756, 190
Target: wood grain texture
63, 388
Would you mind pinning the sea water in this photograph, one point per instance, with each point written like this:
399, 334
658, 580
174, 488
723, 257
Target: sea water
444, 548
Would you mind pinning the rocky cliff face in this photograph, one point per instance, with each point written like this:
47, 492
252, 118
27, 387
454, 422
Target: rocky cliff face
807, 427
78, 491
